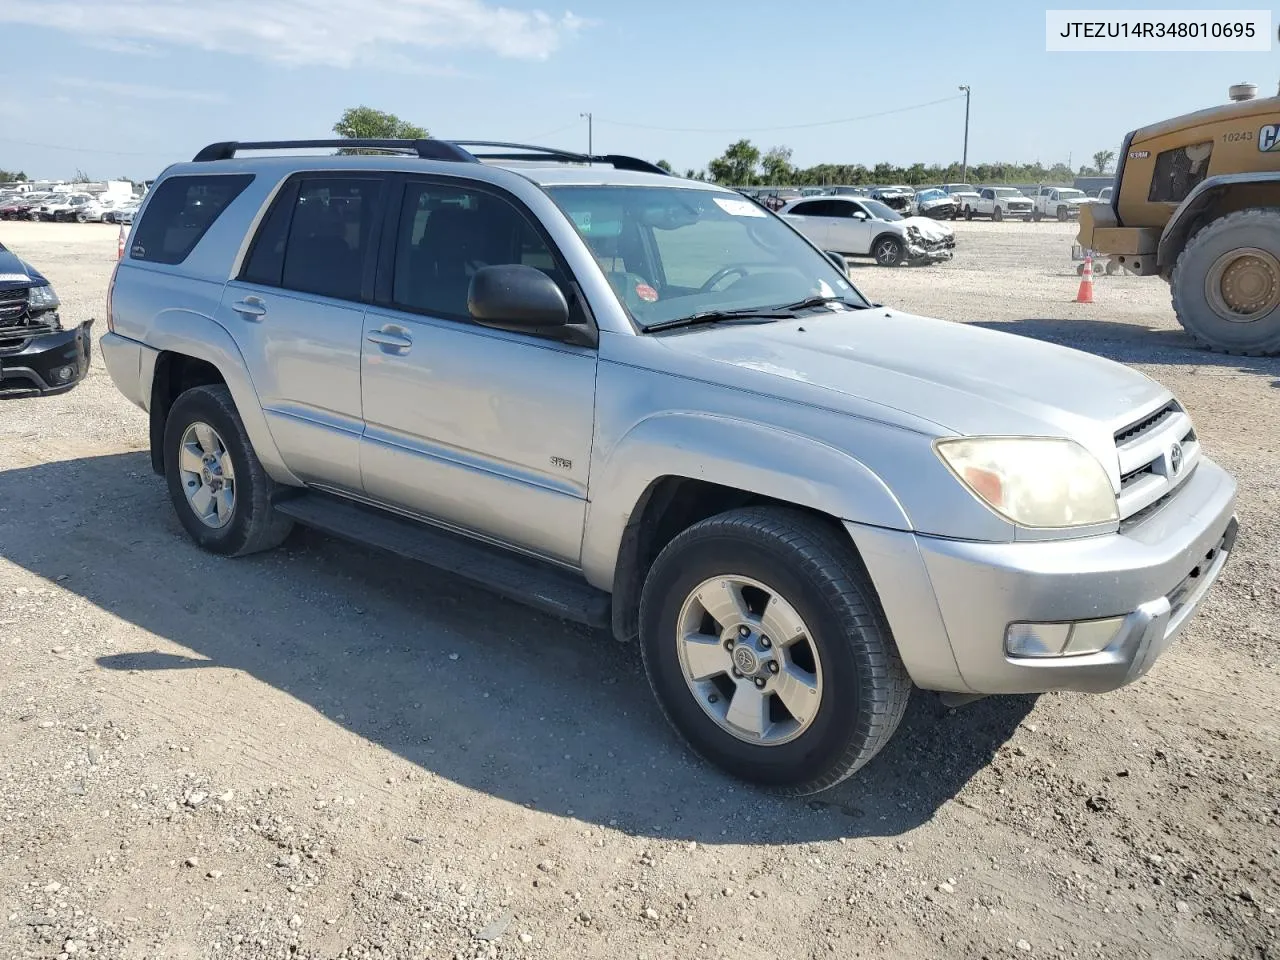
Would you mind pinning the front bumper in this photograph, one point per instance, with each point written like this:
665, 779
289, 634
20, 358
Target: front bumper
930, 251
45, 363
950, 602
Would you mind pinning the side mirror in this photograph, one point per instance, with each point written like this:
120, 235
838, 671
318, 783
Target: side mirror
516, 297
841, 263
860, 215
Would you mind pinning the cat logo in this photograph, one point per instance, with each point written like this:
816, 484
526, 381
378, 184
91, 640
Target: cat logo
1269, 137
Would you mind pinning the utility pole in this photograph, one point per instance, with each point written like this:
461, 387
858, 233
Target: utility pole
590, 137
964, 177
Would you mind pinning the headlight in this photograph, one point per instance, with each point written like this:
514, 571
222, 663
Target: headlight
1032, 481
42, 298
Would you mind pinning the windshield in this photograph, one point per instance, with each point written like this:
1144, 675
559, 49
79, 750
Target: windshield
1007, 192
881, 211
1070, 194
930, 195
671, 252
961, 188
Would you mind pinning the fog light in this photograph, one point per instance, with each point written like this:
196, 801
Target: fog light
1092, 636
1036, 639
1061, 639
63, 374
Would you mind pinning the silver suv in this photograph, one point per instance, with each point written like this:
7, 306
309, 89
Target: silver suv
648, 404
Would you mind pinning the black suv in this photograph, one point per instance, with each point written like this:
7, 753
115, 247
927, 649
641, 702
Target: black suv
37, 354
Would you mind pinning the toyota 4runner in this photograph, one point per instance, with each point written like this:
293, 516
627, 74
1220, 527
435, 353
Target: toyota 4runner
648, 404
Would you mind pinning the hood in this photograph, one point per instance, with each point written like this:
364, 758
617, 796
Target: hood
16, 272
917, 371
929, 228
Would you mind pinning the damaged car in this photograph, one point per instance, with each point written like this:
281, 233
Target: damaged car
38, 354
862, 227
937, 204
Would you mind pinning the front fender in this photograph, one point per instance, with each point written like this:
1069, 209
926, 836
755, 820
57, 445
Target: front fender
1177, 231
195, 335
733, 453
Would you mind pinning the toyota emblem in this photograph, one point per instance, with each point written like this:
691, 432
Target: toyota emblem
1175, 459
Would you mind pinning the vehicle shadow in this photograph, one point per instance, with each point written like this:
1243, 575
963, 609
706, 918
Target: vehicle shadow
1134, 343
472, 688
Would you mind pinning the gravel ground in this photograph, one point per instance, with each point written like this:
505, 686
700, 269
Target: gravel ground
325, 752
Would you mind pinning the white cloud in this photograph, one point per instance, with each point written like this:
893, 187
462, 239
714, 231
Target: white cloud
335, 33
137, 91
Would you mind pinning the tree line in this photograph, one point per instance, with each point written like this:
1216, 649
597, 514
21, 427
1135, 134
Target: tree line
743, 164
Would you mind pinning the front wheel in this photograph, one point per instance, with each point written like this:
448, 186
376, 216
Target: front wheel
1035, 215
1062, 214
1226, 283
968, 213
997, 214
888, 251
218, 487
765, 645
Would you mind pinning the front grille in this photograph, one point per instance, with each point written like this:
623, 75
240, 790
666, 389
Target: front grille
1157, 453
13, 305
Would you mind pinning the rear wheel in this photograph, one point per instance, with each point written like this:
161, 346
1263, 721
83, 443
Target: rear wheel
1226, 283
968, 212
997, 214
219, 489
888, 251
765, 645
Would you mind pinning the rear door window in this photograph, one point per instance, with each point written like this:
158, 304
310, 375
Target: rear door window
180, 212
317, 237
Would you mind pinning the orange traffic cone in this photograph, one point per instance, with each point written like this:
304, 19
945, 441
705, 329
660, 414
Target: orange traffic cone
120, 244
1085, 294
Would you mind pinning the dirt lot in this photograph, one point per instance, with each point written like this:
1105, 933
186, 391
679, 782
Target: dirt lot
324, 752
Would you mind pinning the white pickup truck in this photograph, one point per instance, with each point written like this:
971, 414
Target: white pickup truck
1060, 202
1000, 202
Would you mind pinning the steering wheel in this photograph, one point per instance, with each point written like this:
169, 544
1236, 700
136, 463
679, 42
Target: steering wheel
720, 275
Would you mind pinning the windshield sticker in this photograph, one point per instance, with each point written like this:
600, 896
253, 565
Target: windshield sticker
646, 292
738, 208
582, 219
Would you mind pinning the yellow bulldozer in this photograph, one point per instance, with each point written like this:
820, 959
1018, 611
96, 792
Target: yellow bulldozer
1197, 201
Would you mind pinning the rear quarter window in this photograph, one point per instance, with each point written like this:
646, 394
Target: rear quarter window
182, 209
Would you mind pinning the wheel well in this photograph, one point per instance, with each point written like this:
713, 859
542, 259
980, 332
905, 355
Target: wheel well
1208, 206
175, 374
669, 506
890, 235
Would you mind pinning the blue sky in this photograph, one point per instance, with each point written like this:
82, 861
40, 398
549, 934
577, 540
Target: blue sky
132, 85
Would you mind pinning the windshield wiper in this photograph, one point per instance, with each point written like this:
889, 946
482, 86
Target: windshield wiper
747, 315
818, 301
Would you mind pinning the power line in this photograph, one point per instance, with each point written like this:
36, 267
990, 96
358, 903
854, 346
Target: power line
568, 126
114, 153
792, 126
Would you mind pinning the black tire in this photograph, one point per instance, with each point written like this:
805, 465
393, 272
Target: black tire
1257, 227
888, 251
1112, 268
997, 214
816, 569
968, 213
1035, 215
254, 525
1062, 213
81, 218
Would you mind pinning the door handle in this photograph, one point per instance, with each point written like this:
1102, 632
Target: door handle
391, 340
251, 308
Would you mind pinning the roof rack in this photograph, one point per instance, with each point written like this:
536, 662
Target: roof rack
531, 152
426, 149
433, 149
